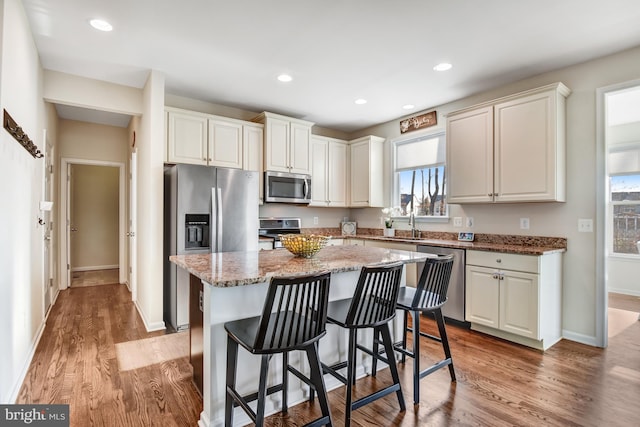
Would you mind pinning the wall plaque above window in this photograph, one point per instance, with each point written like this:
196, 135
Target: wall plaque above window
419, 122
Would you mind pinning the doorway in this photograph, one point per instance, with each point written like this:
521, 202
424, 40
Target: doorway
618, 248
89, 244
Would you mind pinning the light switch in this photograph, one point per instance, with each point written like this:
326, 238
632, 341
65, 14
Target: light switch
585, 225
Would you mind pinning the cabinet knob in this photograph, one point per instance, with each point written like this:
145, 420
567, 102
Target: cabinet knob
498, 260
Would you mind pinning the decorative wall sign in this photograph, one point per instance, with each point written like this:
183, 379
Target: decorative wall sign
418, 122
16, 131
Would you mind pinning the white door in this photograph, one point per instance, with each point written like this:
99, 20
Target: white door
132, 226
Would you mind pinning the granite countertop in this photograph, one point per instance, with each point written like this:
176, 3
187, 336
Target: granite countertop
226, 269
524, 245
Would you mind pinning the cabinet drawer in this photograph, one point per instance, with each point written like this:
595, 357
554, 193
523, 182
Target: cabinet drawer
516, 262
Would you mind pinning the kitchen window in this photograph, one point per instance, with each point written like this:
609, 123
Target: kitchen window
625, 213
420, 177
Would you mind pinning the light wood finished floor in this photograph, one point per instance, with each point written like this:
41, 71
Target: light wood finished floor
95, 277
92, 331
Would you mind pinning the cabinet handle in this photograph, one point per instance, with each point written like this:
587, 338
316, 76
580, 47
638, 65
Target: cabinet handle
498, 260
490, 194
501, 277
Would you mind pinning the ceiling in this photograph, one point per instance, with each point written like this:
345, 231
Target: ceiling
230, 52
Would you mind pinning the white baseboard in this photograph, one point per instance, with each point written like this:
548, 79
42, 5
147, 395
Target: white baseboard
25, 368
631, 292
96, 267
581, 338
150, 327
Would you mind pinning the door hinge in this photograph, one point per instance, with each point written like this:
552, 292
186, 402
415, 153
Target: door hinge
68, 267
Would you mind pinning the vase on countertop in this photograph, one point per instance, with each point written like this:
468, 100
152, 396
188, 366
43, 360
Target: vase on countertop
389, 232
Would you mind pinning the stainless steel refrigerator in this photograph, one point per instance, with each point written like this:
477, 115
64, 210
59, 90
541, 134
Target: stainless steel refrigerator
206, 209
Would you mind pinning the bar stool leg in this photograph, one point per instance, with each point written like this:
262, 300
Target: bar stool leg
374, 362
318, 382
262, 389
415, 322
445, 342
388, 346
404, 334
232, 362
285, 381
351, 376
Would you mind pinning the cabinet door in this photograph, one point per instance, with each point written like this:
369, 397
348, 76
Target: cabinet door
299, 152
319, 169
277, 145
225, 144
187, 138
360, 174
470, 156
525, 149
252, 149
482, 296
519, 303
337, 174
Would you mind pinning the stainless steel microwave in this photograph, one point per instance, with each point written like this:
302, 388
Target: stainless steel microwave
282, 187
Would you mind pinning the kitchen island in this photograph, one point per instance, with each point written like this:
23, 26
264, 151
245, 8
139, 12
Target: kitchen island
235, 286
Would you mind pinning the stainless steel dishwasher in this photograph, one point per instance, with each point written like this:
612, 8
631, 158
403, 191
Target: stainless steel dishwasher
453, 310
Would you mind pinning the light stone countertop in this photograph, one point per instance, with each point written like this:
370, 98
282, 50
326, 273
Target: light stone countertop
227, 269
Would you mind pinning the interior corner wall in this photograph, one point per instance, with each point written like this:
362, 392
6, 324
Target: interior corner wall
21, 252
149, 235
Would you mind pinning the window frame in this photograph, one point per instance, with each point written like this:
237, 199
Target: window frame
611, 225
395, 181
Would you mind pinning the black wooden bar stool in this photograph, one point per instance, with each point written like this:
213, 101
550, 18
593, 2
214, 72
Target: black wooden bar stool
373, 306
429, 295
293, 318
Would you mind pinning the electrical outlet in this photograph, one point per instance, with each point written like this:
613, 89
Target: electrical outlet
457, 221
469, 221
315, 220
585, 225
524, 223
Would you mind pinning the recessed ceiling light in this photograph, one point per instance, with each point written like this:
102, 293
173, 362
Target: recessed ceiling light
285, 78
443, 66
360, 101
409, 106
100, 24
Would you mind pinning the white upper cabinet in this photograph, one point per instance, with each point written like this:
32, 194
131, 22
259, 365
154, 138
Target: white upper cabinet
286, 143
509, 150
328, 172
366, 172
205, 139
187, 137
225, 144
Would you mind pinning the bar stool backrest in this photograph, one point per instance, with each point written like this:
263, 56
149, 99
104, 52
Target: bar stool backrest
294, 313
432, 287
376, 295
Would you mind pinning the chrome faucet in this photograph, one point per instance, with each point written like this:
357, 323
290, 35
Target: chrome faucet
415, 233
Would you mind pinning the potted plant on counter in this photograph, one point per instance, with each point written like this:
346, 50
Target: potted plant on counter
389, 213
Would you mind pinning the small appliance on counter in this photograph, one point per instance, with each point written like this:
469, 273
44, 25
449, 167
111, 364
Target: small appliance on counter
274, 227
349, 228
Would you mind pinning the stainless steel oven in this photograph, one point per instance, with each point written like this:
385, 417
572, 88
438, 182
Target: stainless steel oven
281, 187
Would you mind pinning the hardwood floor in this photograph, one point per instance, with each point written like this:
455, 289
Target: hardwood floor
96, 356
95, 277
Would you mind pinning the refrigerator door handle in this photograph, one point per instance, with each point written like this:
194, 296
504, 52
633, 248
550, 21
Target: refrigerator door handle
216, 197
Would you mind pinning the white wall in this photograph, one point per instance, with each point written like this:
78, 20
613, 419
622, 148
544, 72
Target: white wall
550, 219
21, 282
90, 141
150, 203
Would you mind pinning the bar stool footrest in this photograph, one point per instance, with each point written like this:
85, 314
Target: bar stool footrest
375, 396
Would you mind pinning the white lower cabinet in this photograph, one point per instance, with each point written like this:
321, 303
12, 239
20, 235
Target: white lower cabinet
515, 297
